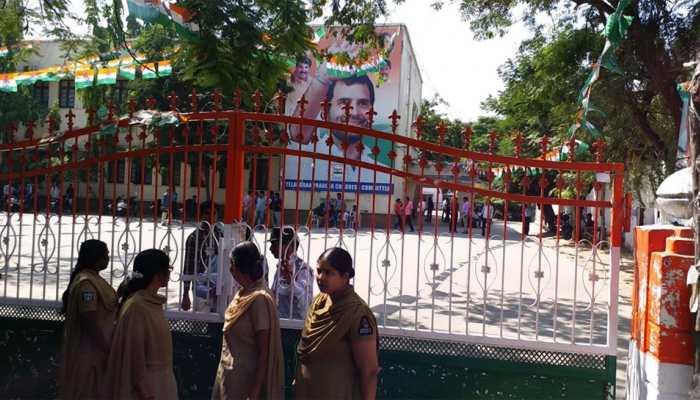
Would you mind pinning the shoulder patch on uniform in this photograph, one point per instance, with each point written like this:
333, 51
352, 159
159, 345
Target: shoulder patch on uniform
365, 328
88, 297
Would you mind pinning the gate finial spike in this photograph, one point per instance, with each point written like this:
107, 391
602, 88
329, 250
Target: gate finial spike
281, 100
468, 136
173, 101
302, 102
91, 116
442, 129
29, 133
599, 146
152, 103
347, 111
216, 97
110, 111
70, 116
237, 99
395, 117
419, 123
132, 107
572, 148
257, 100
544, 143
370, 116
493, 138
518, 140
325, 108
194, 100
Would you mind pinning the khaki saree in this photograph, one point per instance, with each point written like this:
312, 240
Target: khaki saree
326, 368
249, 312
82, 370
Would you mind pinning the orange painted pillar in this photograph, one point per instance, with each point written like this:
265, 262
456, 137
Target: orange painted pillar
661, 346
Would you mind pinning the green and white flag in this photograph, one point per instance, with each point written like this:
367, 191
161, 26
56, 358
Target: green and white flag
84, 78
319, 33
107, 76
127, 72
8, 83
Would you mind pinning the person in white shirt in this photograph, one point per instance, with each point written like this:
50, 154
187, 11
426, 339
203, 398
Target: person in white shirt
293, 283
487, 215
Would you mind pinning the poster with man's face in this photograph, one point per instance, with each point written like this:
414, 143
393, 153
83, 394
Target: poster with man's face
350, 92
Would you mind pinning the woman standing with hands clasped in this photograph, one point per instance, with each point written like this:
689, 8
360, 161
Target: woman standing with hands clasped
338, 351
141, 359
90, 309
251, 365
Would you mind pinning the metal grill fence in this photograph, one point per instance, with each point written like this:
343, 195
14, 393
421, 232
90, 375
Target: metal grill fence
554, 289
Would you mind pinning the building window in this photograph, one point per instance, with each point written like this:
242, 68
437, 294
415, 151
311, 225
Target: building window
66, 93
121, 167
40, 92
165, 174
121, 92
136, 173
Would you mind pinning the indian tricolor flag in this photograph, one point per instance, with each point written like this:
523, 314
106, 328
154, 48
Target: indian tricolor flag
183, 18
8, 83
164, 68
148, 71
149, 10
4, 52
107, 76
127, 72
84, 78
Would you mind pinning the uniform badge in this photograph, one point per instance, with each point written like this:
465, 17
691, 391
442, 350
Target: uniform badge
365, 327
88, 297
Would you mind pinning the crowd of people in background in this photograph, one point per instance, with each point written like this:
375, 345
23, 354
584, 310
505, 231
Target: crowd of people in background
118, 345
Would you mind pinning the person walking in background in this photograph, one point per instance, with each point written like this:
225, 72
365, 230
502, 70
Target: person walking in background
260, 209
529, 213
248, 204
408, 212
55, 196
141, 358
429, 209
466, 213
70, 192
168, 203
294, 280
201, 262
276, 208
90, 309
398, 213
488, 211
252, 361
338, 349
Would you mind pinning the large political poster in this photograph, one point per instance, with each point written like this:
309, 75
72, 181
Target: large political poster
374, 82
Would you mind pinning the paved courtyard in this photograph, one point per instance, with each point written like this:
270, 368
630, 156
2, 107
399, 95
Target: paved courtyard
504, 288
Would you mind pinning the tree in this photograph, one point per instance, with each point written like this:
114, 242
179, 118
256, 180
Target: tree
662, 36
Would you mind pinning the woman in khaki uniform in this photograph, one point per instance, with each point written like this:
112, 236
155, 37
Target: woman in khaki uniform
90, 309
251, 365
338, 351
141, 358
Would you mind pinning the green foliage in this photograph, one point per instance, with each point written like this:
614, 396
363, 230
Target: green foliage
638, 111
